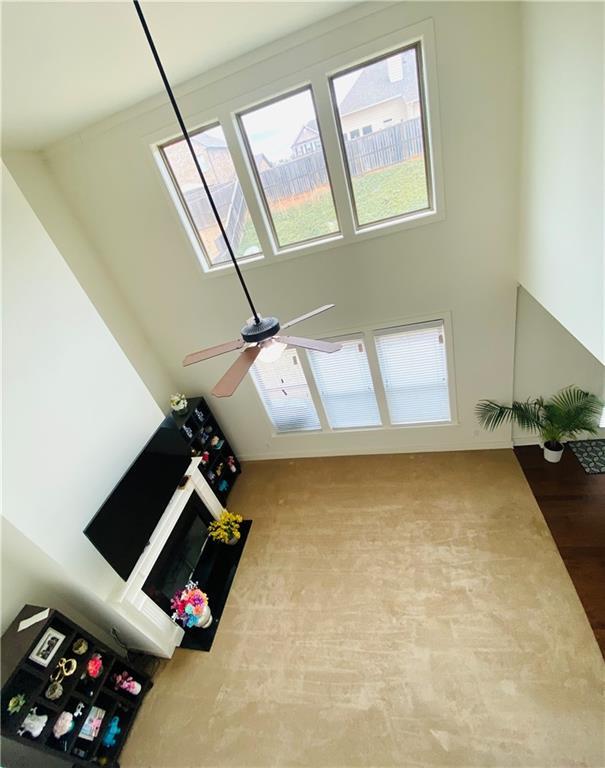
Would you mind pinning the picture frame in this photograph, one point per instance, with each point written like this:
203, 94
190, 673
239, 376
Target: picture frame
92, 724
46, 647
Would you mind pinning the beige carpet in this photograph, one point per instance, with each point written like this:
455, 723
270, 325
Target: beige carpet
406, 610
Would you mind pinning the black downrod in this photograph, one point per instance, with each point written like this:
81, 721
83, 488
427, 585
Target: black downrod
187, 138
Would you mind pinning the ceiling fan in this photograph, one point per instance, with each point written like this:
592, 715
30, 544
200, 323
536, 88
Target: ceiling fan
260, 336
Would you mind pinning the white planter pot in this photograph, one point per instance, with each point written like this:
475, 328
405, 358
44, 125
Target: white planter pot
205, 619
554, 457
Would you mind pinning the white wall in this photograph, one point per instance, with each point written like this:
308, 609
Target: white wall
464, 264
548, 358
75, 412
561, 201
42, 194
30, 576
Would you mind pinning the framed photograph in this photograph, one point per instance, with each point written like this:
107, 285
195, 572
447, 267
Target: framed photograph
46, 647
92, 725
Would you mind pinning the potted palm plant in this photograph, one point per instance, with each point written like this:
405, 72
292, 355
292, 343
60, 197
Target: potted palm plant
563, 416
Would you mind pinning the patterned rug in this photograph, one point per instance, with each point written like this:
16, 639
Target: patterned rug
591, 455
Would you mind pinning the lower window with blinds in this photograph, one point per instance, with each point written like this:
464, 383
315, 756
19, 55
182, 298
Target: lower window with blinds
283, 388
345, 385
413, 365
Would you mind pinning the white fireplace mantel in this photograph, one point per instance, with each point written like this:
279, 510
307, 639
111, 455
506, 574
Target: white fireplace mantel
129, 600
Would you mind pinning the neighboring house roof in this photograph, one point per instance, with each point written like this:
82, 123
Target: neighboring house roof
307, 133
207, 141
374, 85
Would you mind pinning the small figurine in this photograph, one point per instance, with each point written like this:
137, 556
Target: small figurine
33, 723
112, 731
188, 431
208, 429
16, 703
205, 457
231, 463
126, 682
80, 646
222, 486
219, 469
198, 414
94, 667
63, 725
211, 477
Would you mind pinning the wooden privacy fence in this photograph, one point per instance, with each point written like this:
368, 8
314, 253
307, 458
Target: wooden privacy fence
391, 145
229, 200
368, 152
305, 174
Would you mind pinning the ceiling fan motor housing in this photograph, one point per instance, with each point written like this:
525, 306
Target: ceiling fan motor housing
254, 332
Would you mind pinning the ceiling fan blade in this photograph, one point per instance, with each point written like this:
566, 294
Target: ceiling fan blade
316, 344
234, 376
308, 315
219, 349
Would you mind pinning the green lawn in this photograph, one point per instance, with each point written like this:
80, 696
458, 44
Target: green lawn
379, 195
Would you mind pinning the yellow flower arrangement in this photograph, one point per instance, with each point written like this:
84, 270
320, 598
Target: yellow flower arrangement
226, 527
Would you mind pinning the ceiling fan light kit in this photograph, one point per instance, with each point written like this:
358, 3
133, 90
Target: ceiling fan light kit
259, 337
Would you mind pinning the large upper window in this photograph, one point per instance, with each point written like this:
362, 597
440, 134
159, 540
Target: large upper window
413, 365
380, 109
285, 149
345, 385
283, 388
215, 161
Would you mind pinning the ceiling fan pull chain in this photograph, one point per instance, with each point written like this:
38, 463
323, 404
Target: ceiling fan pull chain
187, 138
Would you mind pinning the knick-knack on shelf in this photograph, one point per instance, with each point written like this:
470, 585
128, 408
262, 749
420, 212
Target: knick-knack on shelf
33, 724
125, 682
178, 403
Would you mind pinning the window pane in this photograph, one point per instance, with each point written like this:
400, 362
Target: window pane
282, 387
380, 113
287, 152
218, 169
345, 384
414, 372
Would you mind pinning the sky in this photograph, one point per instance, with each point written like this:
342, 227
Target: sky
272, 129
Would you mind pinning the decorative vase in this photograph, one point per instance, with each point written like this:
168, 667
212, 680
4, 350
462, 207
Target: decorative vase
553, 454
205, 618
180, 411
233, 540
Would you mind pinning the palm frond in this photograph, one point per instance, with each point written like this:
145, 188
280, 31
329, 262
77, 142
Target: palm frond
573, 411
491, 415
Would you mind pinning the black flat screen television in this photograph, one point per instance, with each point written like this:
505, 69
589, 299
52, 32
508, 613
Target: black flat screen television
121, 528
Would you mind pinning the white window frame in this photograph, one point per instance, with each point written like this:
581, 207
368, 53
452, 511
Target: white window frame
401, 329
426, 143
367, 333
315, 399
253, 171
360, 336
174, 191
317, 75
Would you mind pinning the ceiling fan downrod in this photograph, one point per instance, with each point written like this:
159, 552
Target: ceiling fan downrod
253, 327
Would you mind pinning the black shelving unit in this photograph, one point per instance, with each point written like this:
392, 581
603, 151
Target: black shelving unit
81, 693
205, 437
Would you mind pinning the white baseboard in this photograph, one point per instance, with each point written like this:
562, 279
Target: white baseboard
527, 440
324, 453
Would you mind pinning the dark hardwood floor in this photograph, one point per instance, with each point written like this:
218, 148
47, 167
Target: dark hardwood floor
573, 505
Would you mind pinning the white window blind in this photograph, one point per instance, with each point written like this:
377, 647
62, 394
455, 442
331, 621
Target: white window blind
345, 385
413, 365
283, 389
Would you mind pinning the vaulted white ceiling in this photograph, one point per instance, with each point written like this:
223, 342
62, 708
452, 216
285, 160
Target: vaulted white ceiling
66, 65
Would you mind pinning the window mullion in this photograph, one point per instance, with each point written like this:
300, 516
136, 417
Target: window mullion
245, 175
303, 356
376, 373
334, 159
